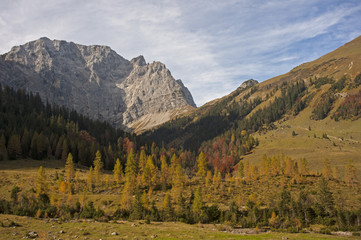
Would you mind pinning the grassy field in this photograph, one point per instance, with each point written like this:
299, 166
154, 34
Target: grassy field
343, 141
15, 227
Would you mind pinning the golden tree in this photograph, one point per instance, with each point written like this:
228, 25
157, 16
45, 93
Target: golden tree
351, 174
41, 182
202, 165
118, 172
69, 168
150, 173
98, 166
90, 179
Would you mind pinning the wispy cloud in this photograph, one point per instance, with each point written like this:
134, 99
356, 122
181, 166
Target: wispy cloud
211, 45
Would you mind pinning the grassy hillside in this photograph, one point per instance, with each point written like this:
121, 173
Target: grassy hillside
324, 117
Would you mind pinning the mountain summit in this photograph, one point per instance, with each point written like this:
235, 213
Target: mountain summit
96, 81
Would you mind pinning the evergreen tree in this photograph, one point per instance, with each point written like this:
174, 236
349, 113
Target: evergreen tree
137, 208
65, 150
168, 211
3, 151
14, 147
325, 200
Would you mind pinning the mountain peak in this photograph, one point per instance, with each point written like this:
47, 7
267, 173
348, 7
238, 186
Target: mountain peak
94, 80
139, 61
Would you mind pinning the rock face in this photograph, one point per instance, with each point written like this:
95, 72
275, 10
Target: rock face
249, 83
94, 80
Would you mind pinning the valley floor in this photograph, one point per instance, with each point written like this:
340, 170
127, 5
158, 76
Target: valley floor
16, 227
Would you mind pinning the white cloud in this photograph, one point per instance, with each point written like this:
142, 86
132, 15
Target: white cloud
211, 45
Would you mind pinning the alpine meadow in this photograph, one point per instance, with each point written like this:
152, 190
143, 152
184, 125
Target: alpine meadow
95, 146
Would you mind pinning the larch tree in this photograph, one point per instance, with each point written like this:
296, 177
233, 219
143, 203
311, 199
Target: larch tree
118, 172
303, 166
98, 166
351, 174
41, 182
326, 170
289, 168
202, 165
69, 168
198, 205
142, 161
336, 173
164, 172
150, 174
131, 166
90, 179
126, 200
130, 177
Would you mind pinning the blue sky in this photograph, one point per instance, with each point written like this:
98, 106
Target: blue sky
212, 45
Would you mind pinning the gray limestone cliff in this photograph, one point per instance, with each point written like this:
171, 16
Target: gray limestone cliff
94, 80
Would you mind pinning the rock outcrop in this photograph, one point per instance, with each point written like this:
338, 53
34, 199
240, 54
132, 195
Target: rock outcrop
94, 80
248, 83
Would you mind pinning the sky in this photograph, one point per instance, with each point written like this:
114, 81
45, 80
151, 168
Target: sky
212, 45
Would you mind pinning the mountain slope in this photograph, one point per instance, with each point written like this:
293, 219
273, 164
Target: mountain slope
317, 95
94, 80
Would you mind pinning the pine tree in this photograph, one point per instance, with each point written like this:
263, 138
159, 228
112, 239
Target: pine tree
41, 182
3, 150
25, 143
168, 211
69, 168
202, 165
137, 207
65, 150
14, 147
118, 171
325, 198
98, 166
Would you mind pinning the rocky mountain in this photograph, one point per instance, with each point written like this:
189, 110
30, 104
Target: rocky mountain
96, 81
